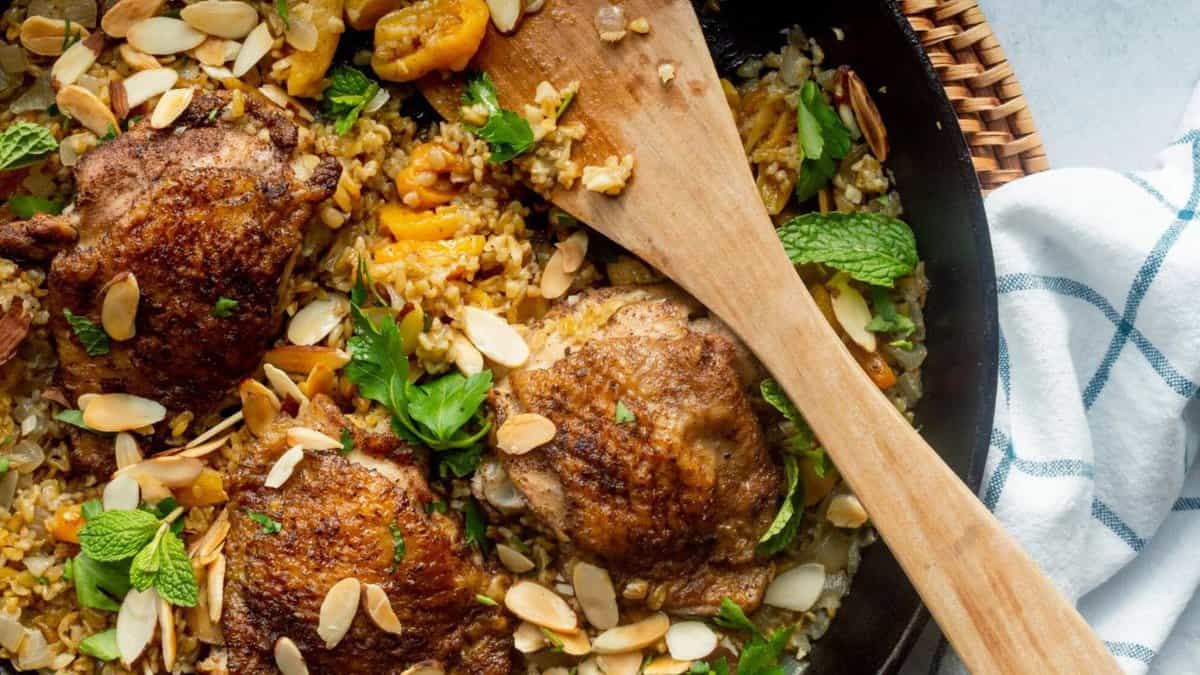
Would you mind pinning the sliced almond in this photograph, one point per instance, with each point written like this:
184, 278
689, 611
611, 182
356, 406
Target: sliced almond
529, 638
288, 658
135, 623
210, 542
300, 359
845, 510
537, 604
337, 611
665, 665
127, 451
170, 106
521, 433
690, 640
84, 400
145, 85
122, 412
465, 356
163, 35
121, 494
259, 405
574, 644
125, 13
227, 19
629, 663
320, 380
171, 471
205, 449
555, 279
46, 37
311, 439
596, 595
76, 60
166, 634
851, 311
589, 667
301, 34
574, 250
515, 561
424, 668
139, 61
213, 51
315, 320
283, 385
118, 313
494, 337
379, 608
256, 46
505, 14
215, 582
283, 467
215, 429
869, 119
87, 109
153, 490
219, 73
632, 637
199, 623
796, 589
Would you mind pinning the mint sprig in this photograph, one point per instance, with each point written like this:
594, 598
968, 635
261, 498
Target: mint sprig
870, 247
24, 144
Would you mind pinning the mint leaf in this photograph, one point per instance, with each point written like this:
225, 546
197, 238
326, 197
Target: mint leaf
25, 143
93, 337
74, 418
25, 206
117, 535
507, 133
731, 617
787, 520
269, 525
822, 139
101, 645
224, 307
871, 247
887, 319
99, 585
91, 508
164, 564
624, 414
349, 91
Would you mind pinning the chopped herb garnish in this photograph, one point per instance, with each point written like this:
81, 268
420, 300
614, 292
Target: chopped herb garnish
397, 544
269, 525
25, 143
93, 337
906, 345
507, 133
761, 655
624, 414
347, 440
485, 600
459, 463
566, 103
109, 134
281, 8
732, 617
4, 464
74, 418
556, 642
801, 441
212, 114
224, 307
348, 93
101, 645
887, 318
435, 507
787, 520
25, 206
823, 139
475, 529
70, 37
870, 247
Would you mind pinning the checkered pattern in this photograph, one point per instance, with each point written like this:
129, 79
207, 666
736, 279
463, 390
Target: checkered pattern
1091, 462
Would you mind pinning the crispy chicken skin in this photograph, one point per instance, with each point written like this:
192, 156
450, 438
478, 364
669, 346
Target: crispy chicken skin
212, 211
680, 496
335, 515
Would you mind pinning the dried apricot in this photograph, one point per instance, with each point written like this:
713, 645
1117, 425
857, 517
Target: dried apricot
428, 35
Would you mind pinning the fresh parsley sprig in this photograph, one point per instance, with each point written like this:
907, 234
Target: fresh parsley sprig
141, 543
349, 91
25, 206
507, 133
761, 655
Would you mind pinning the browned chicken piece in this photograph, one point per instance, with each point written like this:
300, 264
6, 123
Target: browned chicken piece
679, 495
206, 210
336, 516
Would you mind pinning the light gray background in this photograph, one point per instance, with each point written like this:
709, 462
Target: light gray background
1107, 81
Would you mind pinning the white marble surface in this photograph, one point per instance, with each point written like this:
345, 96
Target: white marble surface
1107, 81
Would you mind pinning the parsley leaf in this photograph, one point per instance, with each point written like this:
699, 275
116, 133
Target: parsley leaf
823, 138
871, 247
117, 535
624, 414
731, 616
224, 307
507, 133
348, 93
762, 656
787, 521
109, 134
93, 337
475, 529
459, 462
101, 645
887, 319
164, 564
443, 406
802, 441
398, 549
347, 440
269, 526
25, 143
25, 206
281, 8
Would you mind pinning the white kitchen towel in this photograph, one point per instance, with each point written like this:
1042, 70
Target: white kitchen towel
1097, 418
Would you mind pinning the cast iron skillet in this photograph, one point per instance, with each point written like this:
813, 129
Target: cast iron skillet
882, 616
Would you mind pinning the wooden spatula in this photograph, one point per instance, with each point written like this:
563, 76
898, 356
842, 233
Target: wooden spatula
693, 212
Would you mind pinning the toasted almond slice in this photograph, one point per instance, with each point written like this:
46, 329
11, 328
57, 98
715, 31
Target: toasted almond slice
139, 61
121, 412
215, 582
87, 109
135, 623
851, 311
204, 449
574, 250
494, 337
145, 85
596, 595
529, 638
84, 400
127, 451
537, 604
514, 560
227, 19
216, 429
171, 471
212, 52
288, 658
301, 34
311, 439
620, 664
46, 37
796, 589
259, 405
505, 14
300, 359
690, 640
337, 611
379, 608
125, 13
256, 46
283, 467
315, 320
521, 433
283, 385
555, 279
869, 119
210, 542
465, 355
665, 665
76, 60
218, 73
121, 493
632, 637
424, 668
320, 380
574, 644
153, 490
166, 634
589, 667
162, 35
170, 106
275, 94
845, 510
118, 313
